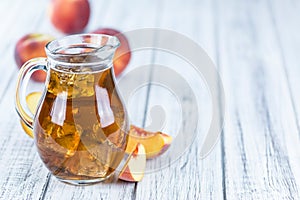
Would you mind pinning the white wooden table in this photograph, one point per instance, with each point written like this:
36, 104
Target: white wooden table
255, 46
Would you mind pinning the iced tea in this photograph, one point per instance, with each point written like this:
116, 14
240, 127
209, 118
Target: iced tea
81, 129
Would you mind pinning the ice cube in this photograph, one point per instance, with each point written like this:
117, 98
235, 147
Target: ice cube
62, 139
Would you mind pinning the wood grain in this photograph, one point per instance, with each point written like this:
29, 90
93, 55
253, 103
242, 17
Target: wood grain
255, 46
189, 177
261, 124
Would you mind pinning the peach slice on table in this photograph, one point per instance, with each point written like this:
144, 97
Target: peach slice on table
32, 101
134, 168
155, 143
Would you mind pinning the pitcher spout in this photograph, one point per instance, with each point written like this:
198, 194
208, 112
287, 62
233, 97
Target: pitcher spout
83, 50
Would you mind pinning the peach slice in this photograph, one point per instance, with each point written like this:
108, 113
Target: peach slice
155, 143
134, 168
32, 101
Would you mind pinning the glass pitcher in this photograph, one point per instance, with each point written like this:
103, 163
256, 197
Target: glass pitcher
81, 125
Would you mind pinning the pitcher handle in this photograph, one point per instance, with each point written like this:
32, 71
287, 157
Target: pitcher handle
20, 99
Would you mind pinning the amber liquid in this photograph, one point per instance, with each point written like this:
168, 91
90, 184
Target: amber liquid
81, 127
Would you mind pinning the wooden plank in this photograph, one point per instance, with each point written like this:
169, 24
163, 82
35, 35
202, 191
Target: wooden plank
22, 173
257, 51
15, 25
188, 177
261, 127
285, 22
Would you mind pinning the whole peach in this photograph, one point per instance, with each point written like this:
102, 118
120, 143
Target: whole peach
122, 55
69, 16
32, 46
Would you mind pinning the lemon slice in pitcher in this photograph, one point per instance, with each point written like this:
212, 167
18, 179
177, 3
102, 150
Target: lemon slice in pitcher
32, 101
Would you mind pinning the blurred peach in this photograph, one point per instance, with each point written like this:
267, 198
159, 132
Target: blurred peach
122, 54
69, 16
32, 46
